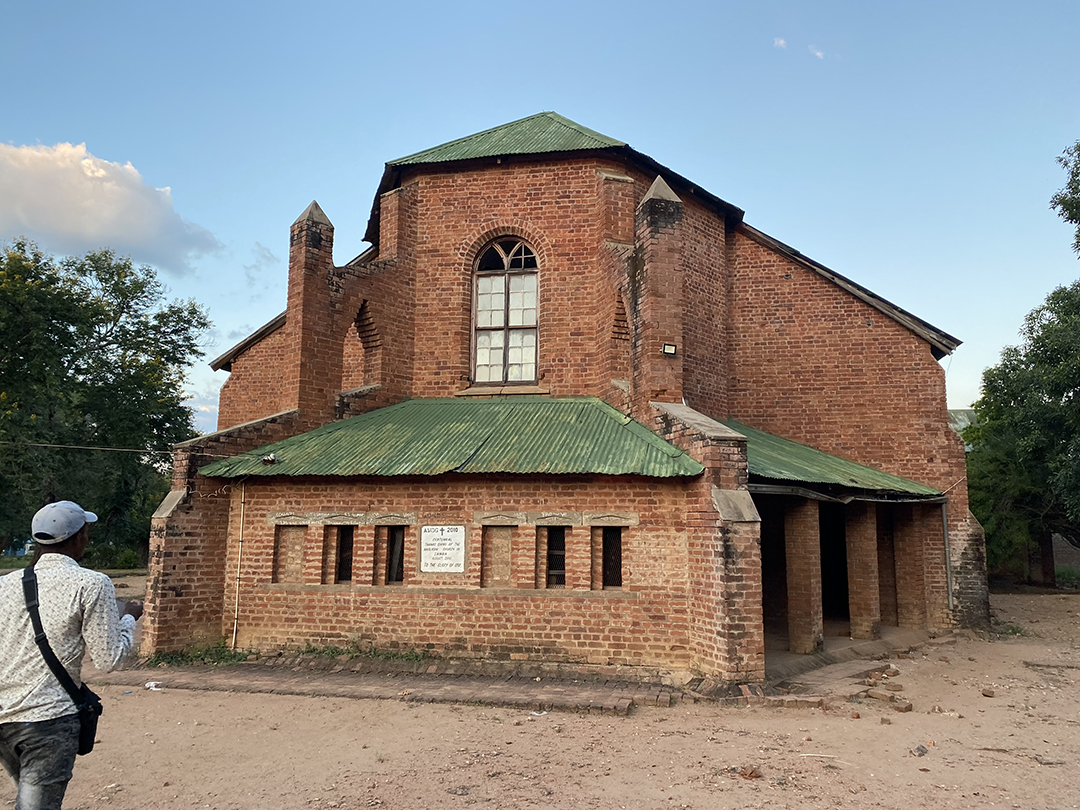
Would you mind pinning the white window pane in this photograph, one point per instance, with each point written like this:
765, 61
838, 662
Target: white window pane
486, 284
528, 337
517, 300
513, 355
522, 283
529, 298
497, 339
483, 318
483, 339
516, 318
528, 371
483, 357
498, 317
528, 317
483, 373
498, 300
513, 373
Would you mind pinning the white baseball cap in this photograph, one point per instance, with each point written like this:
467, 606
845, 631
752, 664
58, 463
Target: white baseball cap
56, 522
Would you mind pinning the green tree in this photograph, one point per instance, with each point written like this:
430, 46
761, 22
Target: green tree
94, 356
1067, 200
1024, 465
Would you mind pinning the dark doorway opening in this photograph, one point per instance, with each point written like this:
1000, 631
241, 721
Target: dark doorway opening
834, 575
774, 592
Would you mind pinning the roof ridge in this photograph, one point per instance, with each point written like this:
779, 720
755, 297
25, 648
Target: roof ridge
549, 115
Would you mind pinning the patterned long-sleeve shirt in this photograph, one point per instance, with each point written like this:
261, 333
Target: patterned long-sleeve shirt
79, 613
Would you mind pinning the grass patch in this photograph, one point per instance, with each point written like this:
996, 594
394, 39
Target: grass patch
1006, 629
218, 655
14, 563
1068, 577
353, 649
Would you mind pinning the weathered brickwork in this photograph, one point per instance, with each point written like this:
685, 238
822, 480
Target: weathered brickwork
626, 263
253, 389
489, 610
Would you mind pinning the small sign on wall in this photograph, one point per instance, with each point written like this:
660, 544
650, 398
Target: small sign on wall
442, 549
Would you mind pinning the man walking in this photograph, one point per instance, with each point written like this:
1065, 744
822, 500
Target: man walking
39, 727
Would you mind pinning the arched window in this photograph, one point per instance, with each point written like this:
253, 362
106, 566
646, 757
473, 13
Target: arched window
505, 307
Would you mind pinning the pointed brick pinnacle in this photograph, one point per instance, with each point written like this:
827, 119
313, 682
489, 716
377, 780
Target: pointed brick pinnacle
313, 214
660, 190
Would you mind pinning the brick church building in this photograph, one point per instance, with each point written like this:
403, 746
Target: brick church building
568, 407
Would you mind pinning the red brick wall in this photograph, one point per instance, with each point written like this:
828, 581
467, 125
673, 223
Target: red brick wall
707, 355
186, 570
644, 622
253, 389
816, 365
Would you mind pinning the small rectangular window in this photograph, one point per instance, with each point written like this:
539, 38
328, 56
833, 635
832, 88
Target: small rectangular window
556, 557
395, 555
344, 553
612, 557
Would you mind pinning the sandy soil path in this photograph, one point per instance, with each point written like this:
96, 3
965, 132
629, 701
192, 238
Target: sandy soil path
996, 723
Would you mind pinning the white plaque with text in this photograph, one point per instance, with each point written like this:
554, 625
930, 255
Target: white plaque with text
442, 549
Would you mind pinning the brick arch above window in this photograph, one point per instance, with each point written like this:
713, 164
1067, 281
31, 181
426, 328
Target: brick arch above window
472, 245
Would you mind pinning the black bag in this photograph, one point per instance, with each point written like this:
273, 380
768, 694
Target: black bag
87, 704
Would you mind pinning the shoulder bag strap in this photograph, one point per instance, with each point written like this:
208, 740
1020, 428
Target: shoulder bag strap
30, 593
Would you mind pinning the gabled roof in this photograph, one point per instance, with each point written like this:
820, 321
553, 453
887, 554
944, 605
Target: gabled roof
770, 456
551, 133
512, 435
545, 133
534, 135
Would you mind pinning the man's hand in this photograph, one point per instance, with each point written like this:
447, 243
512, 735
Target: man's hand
132, 609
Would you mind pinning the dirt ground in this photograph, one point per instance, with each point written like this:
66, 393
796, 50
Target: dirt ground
1017, 746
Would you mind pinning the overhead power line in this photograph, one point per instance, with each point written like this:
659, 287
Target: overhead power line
84, 447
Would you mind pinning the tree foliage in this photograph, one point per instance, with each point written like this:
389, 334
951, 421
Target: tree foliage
93, 356
1067, 200
1024, 465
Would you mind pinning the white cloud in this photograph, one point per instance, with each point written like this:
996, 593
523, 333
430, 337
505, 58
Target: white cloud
779, 43
69, 201
816, 52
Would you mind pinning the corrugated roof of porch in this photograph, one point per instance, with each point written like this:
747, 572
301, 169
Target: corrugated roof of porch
517, 435
770, 456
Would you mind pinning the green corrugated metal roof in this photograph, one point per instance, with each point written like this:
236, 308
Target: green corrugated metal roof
772, 457
509, 435
543, 132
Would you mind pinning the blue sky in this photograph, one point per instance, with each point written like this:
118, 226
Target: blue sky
908, 146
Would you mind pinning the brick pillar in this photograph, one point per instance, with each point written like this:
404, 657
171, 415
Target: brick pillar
910, 569
934, 565
311, 372
523, 556
364, 561
655, 296
578, 558
331, 540
541, 557
802, 542
411, 554
864, 595
312, 572
596, 558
